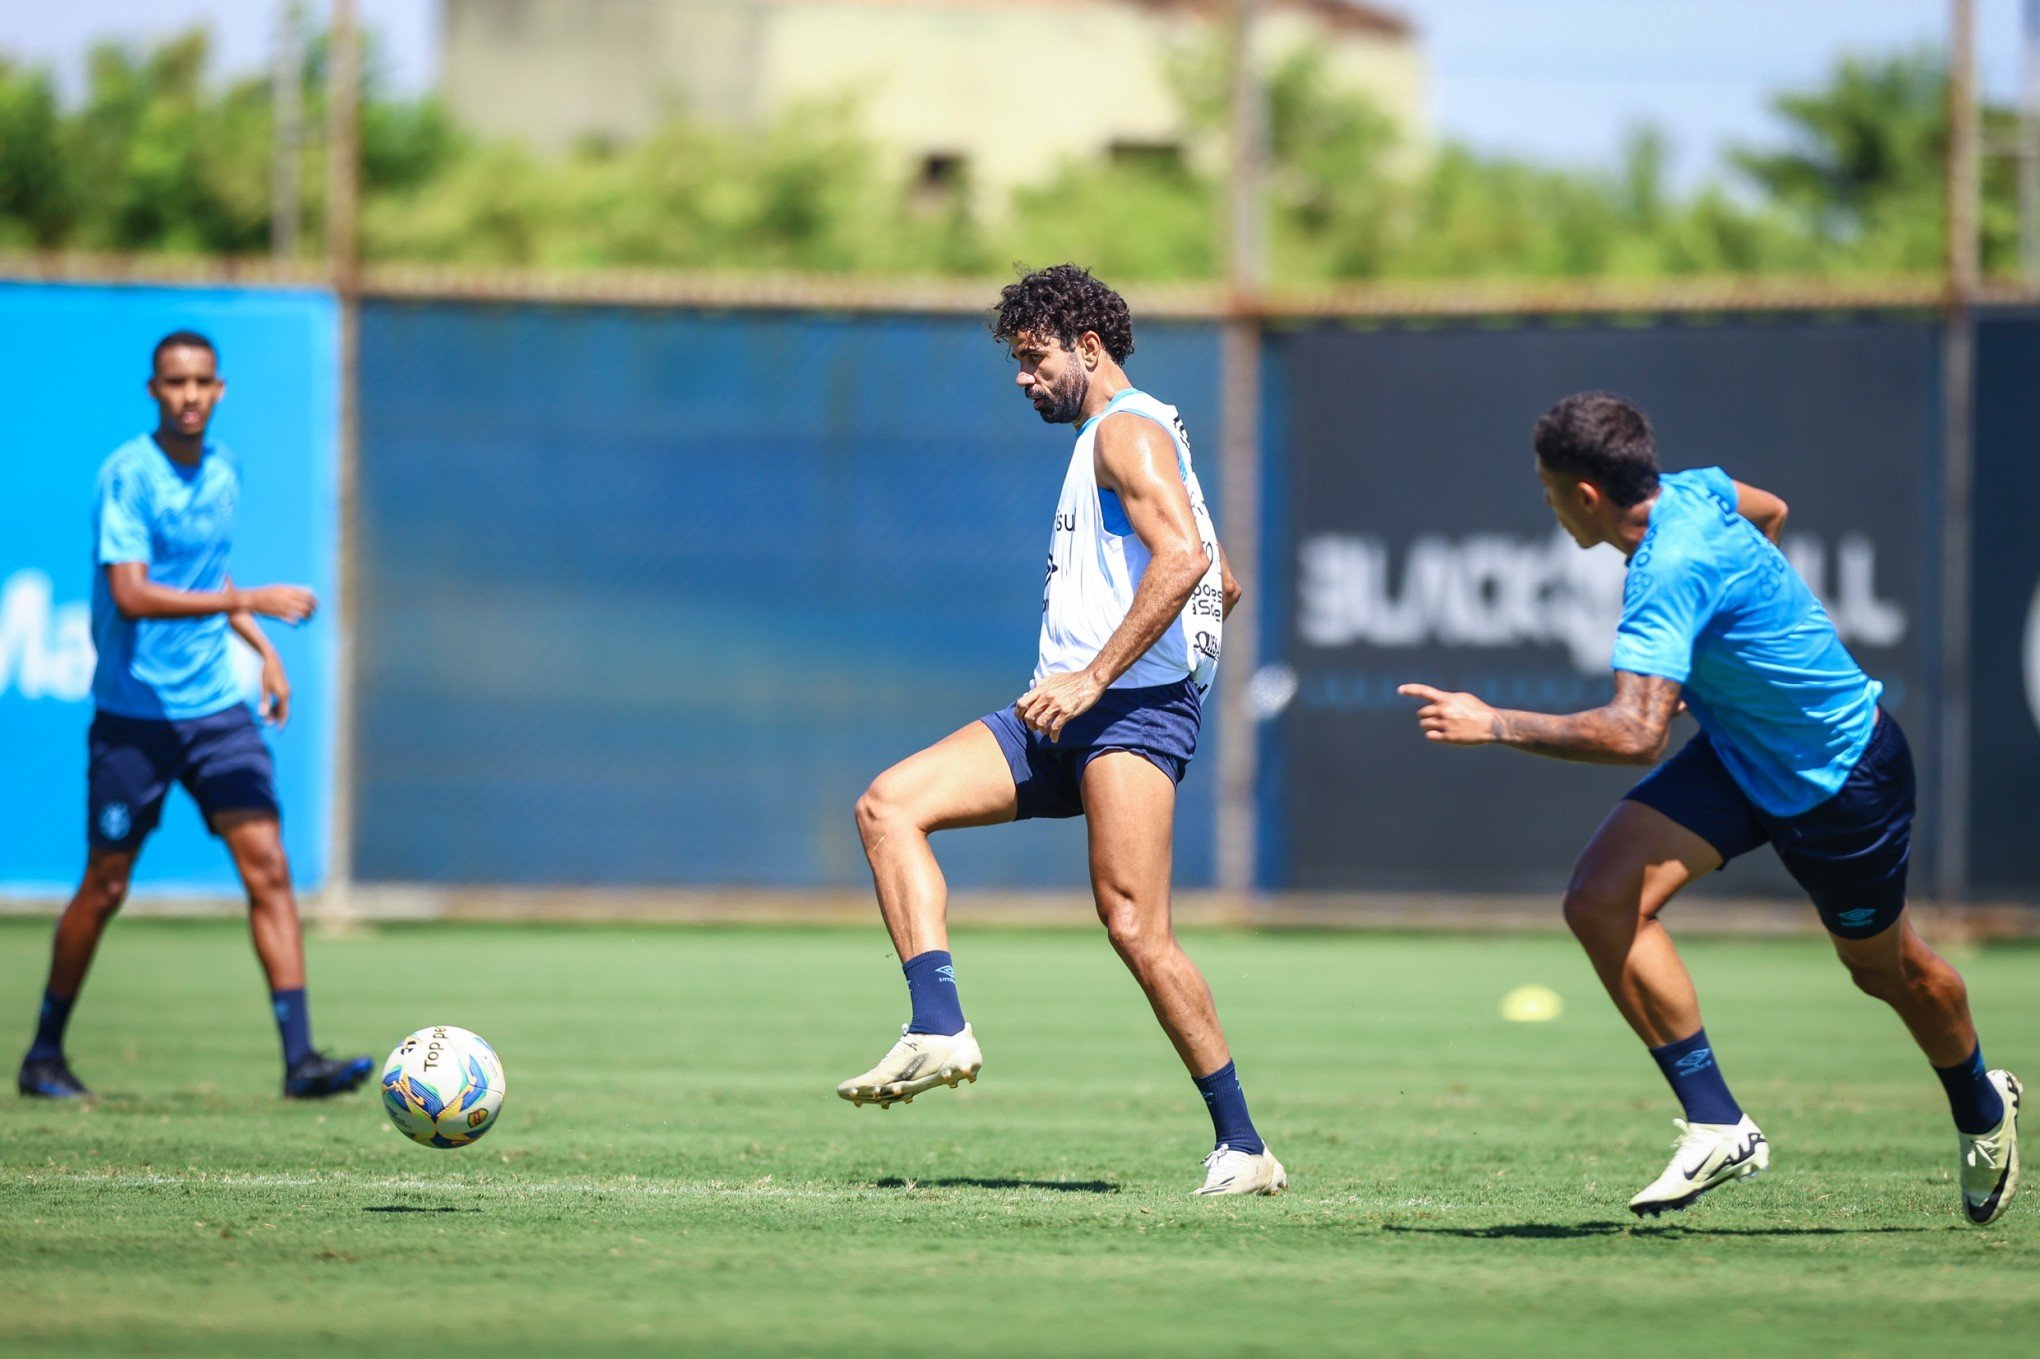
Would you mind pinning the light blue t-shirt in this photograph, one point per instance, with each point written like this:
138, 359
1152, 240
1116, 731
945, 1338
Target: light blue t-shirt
179, 522
1712, 604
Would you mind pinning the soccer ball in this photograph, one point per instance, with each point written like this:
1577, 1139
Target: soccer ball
443, 1087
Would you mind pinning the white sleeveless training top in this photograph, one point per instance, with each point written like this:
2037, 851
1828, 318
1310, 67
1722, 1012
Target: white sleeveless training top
1095, 562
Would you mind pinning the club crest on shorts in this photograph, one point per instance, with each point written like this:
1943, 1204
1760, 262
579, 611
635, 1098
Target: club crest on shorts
115, 821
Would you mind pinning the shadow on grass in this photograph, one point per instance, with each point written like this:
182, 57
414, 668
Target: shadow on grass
1573, 1231
972, 1182
208, 1101
414, 1208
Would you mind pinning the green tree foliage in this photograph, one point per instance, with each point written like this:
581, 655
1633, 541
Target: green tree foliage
802, 193
1862, 172
153, 160
33, 207
1475, 216
1334, 194
158, 157
1143, 219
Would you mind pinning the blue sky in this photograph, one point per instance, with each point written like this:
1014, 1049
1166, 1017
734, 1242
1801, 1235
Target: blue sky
1560, 80
1565, 79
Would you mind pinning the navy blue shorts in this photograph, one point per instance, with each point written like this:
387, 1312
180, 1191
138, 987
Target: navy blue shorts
1159, 724
1850, 852
219, 758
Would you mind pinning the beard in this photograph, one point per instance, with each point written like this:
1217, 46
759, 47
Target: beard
1066, 398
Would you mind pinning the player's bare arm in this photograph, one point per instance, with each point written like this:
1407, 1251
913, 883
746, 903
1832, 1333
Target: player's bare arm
1763, 509
275, 705
1230, 590
1631, 728
136, 596
1137, 461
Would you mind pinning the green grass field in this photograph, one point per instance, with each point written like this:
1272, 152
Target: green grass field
673, 1172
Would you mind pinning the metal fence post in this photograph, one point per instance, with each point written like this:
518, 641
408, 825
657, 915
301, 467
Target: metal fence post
288, 99
1958, 392
2029, 144
343, 192
1236, 835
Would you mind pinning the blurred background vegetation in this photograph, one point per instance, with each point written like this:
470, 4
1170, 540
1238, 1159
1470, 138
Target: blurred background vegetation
160, 156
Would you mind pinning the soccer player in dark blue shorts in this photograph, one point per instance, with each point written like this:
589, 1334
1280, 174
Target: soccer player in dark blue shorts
1793, 750
168, 710
1131, 616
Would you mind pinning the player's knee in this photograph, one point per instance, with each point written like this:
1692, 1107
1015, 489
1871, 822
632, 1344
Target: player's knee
1910, 972
104, 889
1883, 978
1130, 940
885, 810
875, 812
1134, 933
265, 872
1595, 904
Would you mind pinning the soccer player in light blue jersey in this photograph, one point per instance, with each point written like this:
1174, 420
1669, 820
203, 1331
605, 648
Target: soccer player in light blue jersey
1131, 615
1793, 750
168, 709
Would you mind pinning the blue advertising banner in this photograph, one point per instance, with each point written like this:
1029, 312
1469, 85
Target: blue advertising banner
2004, 631
1409, 540
77, 361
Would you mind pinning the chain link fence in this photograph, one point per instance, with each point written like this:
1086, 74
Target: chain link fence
648, 596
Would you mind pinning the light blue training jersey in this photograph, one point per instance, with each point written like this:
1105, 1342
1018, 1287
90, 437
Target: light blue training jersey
179, 522
1712, 604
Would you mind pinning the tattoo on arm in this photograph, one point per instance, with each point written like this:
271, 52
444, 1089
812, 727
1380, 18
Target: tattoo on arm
1631, 729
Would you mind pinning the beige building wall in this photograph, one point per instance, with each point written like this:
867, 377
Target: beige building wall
1010, 89
552, 72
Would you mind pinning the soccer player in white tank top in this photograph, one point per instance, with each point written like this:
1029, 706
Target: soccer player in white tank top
1137, 592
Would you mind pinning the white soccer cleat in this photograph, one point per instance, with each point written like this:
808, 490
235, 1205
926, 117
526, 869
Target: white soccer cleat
1706, 1156
1990, 1161
1230, 1171
919, 1061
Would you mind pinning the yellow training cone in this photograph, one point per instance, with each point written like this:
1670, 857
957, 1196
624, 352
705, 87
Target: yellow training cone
1532, 1005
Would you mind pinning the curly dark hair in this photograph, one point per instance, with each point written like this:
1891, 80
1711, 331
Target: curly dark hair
1064, 301
1602, 438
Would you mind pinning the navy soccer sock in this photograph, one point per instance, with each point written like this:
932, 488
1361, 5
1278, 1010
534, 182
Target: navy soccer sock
49, 1027
931, 986
1231, 1125
294, 1024
1975, 1102
1689, 1065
